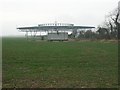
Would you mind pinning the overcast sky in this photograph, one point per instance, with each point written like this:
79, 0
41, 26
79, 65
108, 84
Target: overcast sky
15, 13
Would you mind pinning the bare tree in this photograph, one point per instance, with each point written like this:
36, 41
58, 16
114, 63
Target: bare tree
111, 20
111, 25
118, 20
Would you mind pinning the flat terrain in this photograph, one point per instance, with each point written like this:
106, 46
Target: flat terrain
59, 64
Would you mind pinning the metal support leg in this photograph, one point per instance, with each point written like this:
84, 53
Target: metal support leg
35, 34
26, 35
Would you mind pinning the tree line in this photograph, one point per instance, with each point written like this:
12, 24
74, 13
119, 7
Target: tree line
110, 29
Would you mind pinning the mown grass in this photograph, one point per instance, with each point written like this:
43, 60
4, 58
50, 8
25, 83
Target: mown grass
59, 64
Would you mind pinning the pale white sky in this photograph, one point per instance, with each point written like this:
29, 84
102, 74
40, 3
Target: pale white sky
15, 13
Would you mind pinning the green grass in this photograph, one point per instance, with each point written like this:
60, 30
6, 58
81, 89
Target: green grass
59, 64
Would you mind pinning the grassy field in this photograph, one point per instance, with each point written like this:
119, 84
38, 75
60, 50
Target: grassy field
59, 64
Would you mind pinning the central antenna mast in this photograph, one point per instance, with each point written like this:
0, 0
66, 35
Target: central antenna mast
56, 27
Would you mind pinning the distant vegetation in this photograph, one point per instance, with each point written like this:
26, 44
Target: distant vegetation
108, 30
